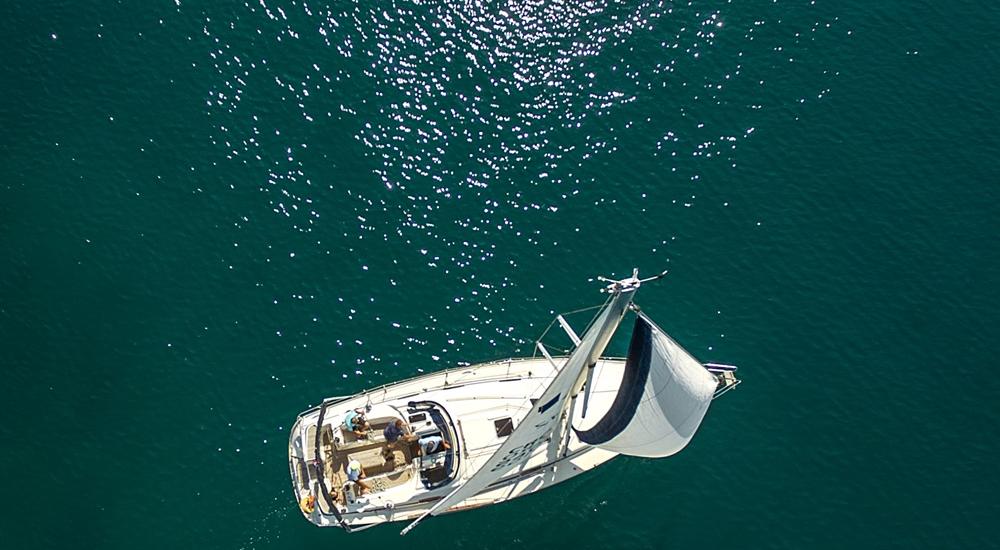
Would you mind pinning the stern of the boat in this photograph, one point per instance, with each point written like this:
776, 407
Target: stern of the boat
302, 486
309, 487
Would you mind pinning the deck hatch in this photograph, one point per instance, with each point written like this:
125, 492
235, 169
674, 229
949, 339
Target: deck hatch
504, 426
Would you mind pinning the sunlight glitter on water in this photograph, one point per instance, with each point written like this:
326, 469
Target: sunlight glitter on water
483, 117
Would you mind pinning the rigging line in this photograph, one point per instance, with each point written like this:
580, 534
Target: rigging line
575, 311
568, 426
541, 383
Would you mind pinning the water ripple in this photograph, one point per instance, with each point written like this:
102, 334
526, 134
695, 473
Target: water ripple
473, 121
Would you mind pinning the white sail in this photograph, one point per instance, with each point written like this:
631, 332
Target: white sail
664, 395
537, 427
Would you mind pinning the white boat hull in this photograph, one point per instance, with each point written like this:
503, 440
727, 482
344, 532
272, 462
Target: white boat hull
474, 398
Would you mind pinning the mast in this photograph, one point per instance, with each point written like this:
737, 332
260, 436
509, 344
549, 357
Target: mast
543, 418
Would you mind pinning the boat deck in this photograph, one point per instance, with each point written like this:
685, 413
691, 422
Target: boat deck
385, 464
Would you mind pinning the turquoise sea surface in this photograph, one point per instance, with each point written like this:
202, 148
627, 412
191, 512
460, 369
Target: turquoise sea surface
215, 214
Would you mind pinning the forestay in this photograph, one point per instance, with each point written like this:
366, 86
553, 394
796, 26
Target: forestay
664, 395
544, 417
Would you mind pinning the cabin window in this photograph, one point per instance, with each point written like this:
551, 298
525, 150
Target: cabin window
504, 426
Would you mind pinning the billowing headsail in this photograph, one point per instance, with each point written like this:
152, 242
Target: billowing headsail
664, 395
536, 428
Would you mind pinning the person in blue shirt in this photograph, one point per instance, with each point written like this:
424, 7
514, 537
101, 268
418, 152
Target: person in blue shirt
396, 431
355, 422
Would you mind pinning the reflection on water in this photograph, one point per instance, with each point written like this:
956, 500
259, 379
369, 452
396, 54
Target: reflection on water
474, 122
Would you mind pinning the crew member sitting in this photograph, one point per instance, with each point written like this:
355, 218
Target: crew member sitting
356, 423
398, 432
356, 473
433, 444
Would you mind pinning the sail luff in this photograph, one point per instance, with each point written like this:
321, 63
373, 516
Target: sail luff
545, 413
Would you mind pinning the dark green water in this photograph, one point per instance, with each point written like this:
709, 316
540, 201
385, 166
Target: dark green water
213, 215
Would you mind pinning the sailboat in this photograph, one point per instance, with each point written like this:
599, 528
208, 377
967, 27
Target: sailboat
488, 433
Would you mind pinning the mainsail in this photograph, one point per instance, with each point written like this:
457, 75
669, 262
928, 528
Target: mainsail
537, 427
664, 395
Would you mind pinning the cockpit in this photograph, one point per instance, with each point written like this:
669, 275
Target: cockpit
435, 442
346, 456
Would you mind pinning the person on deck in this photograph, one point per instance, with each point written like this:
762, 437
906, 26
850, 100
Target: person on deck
356, 422
398, 433
355, 473
433, 444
